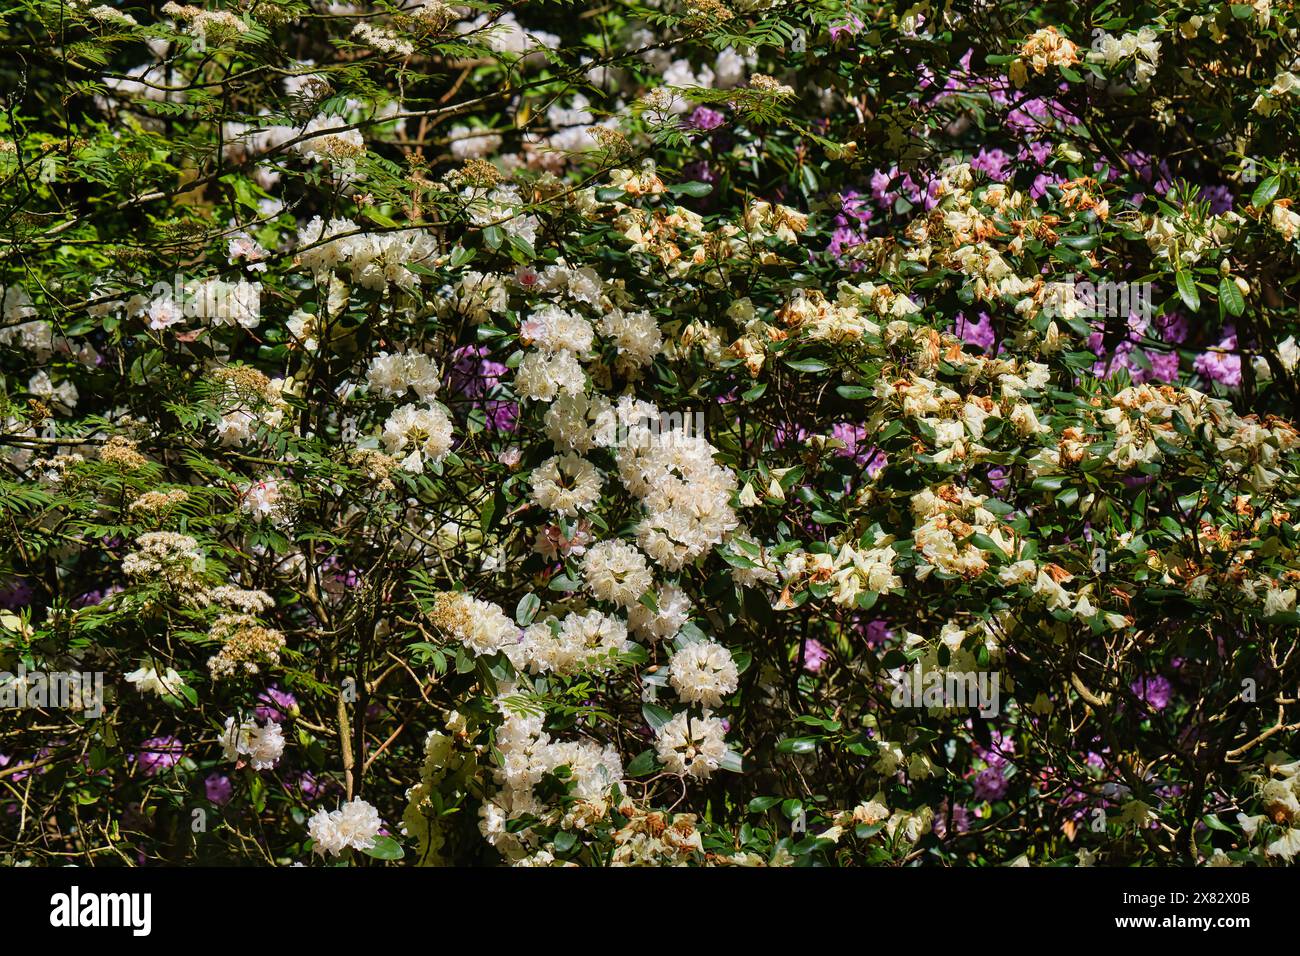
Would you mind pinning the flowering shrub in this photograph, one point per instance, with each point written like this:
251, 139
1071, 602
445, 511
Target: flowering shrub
683, 432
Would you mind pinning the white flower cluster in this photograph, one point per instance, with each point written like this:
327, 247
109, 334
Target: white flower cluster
553, 329
176, 559
505, 34
330, 138
672, 610
617, 572
581, 642
543, 375
1285, 84
693, 746
419, 435
501, 206
946, 518
469, 143
208, 27
392, 375
527, 754
262, 499
1142, 47
566, 484
382, 39
1279, 796
373, 260
353, 826
147, 680
635, 334
863, 571
686, 495
261, 745
239, 599
703, 673
480, 626
250, 400
212, 300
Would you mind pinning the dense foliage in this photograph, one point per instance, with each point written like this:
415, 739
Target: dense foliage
678, 432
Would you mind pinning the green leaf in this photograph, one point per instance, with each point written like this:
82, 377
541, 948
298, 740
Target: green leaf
691, 189
808, 365
1187, 290
386, 848
655, 716
1231, 296
1214, 823
643, 764
987, 544
893, 659
797, 745
1265, 191
526, 609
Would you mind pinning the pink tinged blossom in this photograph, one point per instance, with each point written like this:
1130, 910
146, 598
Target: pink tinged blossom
706, 120
1164, 366
1220, 364
849, 26
815, 655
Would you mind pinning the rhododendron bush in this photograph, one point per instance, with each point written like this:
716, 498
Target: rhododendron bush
680, 432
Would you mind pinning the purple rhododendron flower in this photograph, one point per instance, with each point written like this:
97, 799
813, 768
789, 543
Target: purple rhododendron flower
979, 333
706, 120
158, 754
856, 447
218, 788
1164, 366
1220, 364
1154, 691
993, 163
847, 27
472, 374
814, 655
502, 415
1172, 327
990, 785
1219, 197
15, 593
878, 632
275, 704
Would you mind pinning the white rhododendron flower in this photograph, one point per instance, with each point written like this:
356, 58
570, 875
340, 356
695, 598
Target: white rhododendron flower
691, 745
147, 680
354, 826
703, 673
418, 435
262, 745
